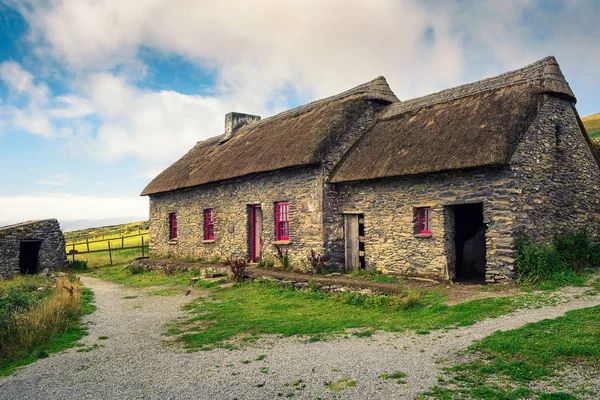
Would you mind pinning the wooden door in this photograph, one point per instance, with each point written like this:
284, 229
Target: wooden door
255, 233
352, 246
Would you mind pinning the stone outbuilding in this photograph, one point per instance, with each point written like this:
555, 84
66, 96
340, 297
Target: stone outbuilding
435, 186
30, 247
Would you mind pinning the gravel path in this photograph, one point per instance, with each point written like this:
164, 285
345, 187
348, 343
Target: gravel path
135, 363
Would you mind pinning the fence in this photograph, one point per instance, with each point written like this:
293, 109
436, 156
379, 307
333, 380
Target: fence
104, 235
72, 251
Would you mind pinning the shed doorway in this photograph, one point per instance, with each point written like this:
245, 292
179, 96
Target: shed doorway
354, 238
469, 242
29, 254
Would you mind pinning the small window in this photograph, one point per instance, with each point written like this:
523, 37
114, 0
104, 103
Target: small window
209, 224
424, 220
282, 221
173, 226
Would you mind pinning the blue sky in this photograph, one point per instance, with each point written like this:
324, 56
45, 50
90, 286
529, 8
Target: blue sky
97, 97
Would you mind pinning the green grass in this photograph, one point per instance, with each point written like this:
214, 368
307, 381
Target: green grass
118, 274
531, 353
99, 233
60, 341
341, 384
399, 376
592, 125
260, 308
101, 259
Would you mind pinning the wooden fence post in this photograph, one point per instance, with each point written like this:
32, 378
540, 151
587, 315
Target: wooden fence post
87, 242
109, 252
142, 246
122, 241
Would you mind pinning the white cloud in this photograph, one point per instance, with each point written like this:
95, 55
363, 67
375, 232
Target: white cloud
64, 206
264, 52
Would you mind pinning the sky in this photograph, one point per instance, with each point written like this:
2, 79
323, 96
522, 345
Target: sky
98, 96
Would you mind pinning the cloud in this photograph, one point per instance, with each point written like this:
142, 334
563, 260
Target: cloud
267, 55
64, 206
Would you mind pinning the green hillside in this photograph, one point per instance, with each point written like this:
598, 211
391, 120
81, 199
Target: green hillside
592, 125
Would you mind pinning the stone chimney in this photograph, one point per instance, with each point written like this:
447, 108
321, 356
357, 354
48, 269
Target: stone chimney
235, 120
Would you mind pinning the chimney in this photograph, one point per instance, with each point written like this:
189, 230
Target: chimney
234, 121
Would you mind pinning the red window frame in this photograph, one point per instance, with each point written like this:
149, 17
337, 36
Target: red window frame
282, 220
173, 225
424, 220
209, 224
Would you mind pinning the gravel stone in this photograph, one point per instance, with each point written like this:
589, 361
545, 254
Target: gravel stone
135, 362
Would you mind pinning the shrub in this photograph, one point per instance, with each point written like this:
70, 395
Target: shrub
135, 269
567, 253
237, 266
267, 263
77, 266
316, 262
283, 257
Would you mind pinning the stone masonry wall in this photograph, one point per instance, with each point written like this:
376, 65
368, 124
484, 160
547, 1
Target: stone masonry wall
391, 242
52, 253
551, 185
559, 178
231, 202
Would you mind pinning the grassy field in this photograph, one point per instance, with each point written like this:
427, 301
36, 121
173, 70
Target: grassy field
37, 322
115, 242
592, 125
107, 232
509, 363
120, 257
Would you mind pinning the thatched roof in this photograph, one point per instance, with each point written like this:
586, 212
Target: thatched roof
297, 137
473, 125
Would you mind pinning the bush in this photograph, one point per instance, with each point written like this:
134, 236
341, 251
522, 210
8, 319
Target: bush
267, 263
237, 266
283, 257
316, 262
567, 253
135, 269
77, 266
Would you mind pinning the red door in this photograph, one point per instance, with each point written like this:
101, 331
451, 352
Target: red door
255, 232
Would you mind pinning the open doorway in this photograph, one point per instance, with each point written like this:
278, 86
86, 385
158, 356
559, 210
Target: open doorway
469, 242
29, 255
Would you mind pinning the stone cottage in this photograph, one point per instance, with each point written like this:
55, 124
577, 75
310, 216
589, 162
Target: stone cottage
435, 186
30, 247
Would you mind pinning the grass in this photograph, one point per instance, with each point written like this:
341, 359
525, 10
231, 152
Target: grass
102, 259
341, 384
46, 325
106, 232
592, 125
508, 361
118, 274
261, 308
399, 376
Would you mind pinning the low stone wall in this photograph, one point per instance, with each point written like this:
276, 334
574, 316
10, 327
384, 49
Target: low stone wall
52, 254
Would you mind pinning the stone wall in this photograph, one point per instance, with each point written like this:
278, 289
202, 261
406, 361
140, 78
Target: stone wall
551, 185
52, 253
231, 202
391, 241
558, 176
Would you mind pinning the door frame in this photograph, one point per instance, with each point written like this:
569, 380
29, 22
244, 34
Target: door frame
253, 245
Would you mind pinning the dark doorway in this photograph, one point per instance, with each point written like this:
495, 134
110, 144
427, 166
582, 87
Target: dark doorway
469, 242
29, 256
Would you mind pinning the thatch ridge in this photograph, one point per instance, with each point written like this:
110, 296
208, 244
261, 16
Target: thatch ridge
545, 73
305, 133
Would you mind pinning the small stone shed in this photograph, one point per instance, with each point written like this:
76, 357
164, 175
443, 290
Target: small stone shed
30, 247
436, 186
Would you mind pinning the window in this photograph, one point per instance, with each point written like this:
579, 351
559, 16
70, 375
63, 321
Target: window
424, 220
209, 224
282, 220
173, 226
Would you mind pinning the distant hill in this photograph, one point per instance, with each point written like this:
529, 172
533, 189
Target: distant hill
592, 125
107, 231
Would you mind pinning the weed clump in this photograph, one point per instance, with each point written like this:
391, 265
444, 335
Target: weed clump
560, 260
237, 266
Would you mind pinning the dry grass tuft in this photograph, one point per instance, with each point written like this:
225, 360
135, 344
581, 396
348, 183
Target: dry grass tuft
41, 321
